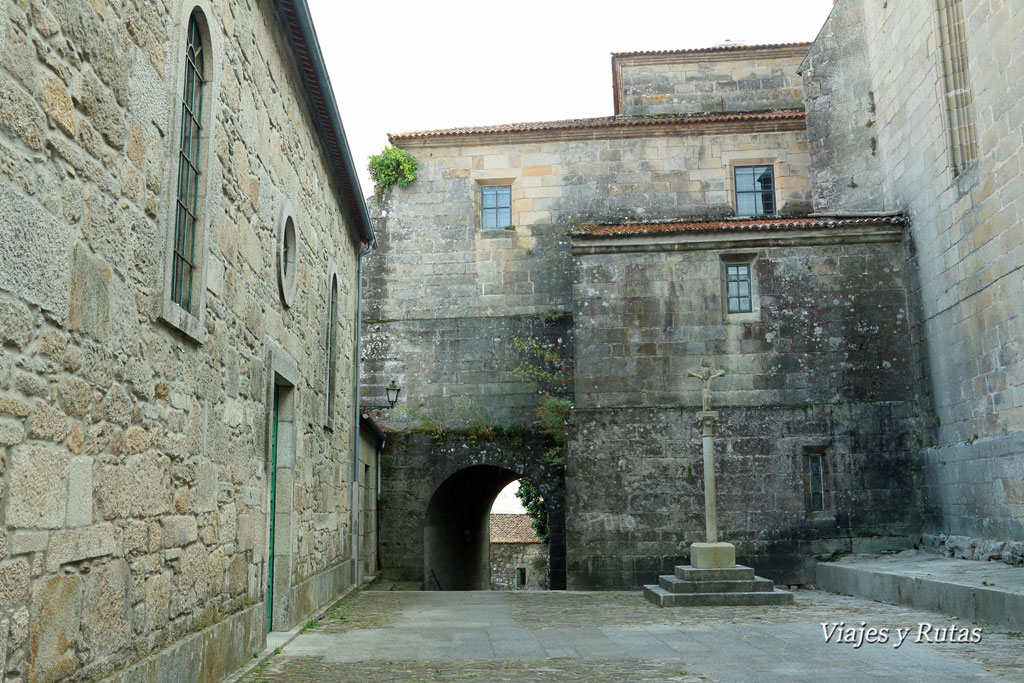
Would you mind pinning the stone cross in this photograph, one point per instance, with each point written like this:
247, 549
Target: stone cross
707, 418
705, 375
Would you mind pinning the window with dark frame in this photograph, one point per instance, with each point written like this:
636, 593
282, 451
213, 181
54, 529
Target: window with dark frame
816, 482
737, 288
497, 207
755, 190
187, 205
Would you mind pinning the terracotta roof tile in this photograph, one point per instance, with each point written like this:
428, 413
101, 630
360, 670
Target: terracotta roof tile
606, 231
717, 48
602, 122
507, 528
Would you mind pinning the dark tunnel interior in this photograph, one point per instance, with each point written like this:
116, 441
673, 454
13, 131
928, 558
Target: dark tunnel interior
457, 540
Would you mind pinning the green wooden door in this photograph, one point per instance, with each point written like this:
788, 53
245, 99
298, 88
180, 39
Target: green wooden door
273, 510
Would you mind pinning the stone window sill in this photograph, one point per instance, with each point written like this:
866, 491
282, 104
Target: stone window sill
178, 318
493, 233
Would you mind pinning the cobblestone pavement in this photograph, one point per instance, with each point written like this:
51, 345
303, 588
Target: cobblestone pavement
618, 636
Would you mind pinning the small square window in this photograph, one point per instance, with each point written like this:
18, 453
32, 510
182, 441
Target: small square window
737, 288
497, 207
755, 190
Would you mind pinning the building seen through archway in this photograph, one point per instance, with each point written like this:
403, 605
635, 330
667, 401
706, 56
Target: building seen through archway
458, 537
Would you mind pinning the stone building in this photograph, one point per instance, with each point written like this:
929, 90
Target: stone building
180, 235
519, 559
917, 107
775, 209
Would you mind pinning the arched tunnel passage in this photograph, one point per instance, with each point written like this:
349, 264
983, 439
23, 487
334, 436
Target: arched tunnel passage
456, 539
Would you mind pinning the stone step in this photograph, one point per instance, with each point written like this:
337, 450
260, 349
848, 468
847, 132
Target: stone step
984, 592
737, 573
674, 584
663, 598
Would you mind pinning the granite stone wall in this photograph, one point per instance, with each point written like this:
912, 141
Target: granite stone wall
437, 491
737, 78
965, 234
444, 298
506, 559
134, 447
822, 365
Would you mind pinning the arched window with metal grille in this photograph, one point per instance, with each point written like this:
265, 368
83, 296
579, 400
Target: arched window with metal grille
187, 206
332, 348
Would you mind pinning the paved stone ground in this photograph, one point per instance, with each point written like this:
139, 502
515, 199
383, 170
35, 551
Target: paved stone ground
618, 636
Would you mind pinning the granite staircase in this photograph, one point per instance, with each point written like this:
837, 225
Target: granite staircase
737, 585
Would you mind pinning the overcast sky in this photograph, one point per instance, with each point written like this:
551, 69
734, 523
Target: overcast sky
399, 66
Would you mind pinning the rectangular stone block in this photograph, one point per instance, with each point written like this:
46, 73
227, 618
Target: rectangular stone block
75, 545
23, 542
179, 531
80, 492
38, 486
712, 555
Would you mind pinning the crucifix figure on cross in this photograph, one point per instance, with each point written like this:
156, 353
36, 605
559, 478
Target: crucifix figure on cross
705, 375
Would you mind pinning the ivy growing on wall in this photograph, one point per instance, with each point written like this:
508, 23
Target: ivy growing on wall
535, 508
391, 166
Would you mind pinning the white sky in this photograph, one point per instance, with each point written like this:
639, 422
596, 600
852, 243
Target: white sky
398, 66
507, 503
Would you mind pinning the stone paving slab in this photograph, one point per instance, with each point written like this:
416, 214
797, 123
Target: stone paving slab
617, 636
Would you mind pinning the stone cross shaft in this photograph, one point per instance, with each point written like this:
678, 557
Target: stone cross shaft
707, 417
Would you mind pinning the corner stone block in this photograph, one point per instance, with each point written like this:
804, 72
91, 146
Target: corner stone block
38, 487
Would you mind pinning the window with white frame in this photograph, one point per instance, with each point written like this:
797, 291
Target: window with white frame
755, 190
496, 203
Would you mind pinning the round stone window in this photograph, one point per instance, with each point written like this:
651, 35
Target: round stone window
288, 256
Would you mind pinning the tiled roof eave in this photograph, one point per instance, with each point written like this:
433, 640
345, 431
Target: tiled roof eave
593, 231
727, 122
716, 49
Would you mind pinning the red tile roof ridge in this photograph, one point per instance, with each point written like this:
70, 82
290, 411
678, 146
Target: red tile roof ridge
604, 122
713, 48
593, 230
512, 528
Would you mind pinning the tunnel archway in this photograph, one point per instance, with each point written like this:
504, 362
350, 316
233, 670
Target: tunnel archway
456, 539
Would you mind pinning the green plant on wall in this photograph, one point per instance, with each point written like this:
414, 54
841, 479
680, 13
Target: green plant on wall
392, 165
535, 508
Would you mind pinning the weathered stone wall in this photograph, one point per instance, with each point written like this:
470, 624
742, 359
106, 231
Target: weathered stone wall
823, 362
966, 231
635, 494
507, 558
417, 472
368, 468
444, 298
840, 100
134, 460
714, 79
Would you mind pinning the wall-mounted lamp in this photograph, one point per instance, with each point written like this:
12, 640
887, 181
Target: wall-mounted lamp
392, 391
